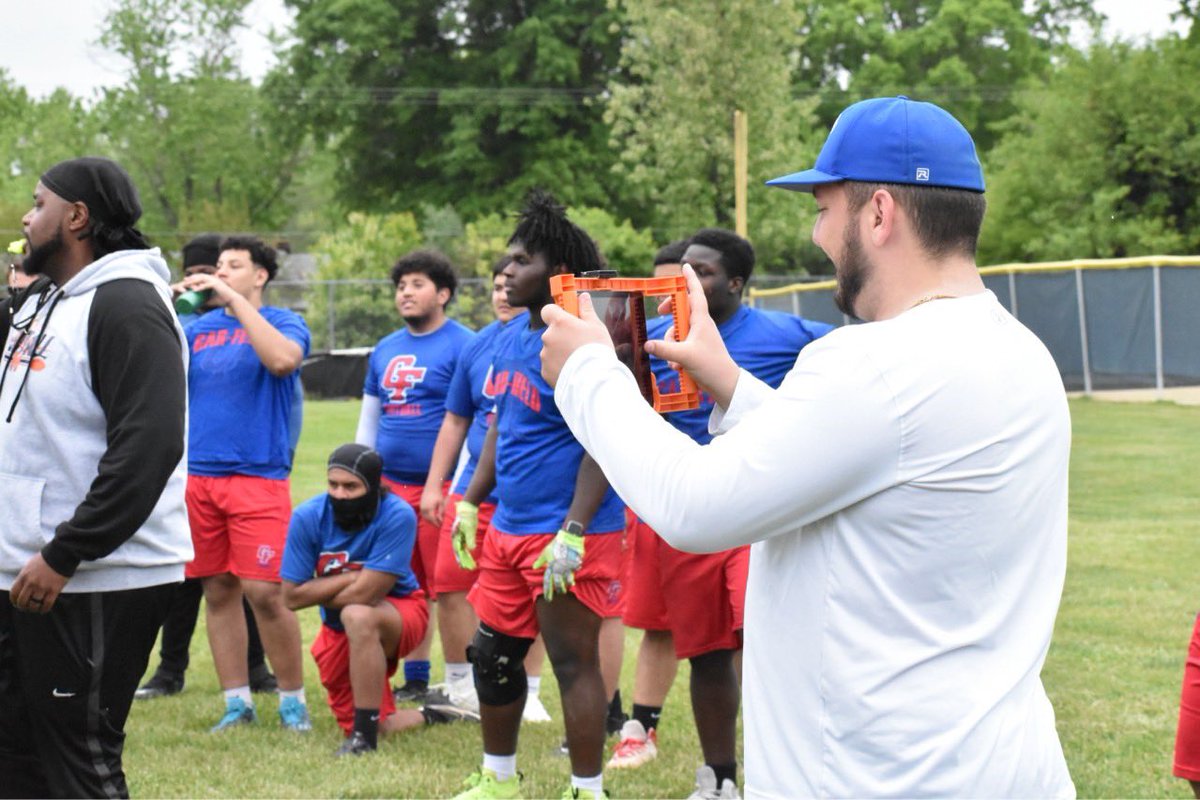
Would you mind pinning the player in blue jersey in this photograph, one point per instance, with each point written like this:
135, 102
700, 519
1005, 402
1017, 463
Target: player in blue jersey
530, 577
245, 361
348, 552
469, 409
404, 400
199, 255
694, 602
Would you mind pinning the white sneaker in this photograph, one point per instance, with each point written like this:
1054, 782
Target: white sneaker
534, 710
637, 747
462, 694
706, 786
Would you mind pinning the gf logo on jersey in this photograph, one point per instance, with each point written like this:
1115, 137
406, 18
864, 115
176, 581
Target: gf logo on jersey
402, 374
333, 563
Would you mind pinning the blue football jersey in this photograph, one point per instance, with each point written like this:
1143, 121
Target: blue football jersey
467, 399
537, 456
239, 413
317, 547
764, 343
410, 374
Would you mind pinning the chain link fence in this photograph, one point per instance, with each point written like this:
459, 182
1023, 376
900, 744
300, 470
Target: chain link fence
349, 314
1108, 323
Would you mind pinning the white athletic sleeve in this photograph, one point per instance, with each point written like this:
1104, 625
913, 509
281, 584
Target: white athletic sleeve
368, 421
827, 438
749, 393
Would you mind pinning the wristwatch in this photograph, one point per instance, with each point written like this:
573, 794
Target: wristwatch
574, 528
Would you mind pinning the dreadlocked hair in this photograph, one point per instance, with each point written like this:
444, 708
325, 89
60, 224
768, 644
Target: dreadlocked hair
543, 228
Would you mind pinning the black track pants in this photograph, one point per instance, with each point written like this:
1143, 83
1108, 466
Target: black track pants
66, 684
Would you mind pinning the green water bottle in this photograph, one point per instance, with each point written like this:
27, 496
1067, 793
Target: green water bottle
190, 302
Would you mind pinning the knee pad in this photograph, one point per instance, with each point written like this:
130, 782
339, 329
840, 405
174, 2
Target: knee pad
499, 662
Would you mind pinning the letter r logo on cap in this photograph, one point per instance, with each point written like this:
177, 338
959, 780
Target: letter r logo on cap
922, 173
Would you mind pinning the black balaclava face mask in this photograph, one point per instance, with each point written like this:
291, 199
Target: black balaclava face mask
354, 514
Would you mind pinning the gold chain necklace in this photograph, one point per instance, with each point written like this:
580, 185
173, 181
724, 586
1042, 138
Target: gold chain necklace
930, 297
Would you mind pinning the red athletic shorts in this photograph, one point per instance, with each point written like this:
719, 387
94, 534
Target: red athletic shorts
331, 651
448, 576
239, 524
1187, 736
645, 606
701, 596
506, 592
424, 557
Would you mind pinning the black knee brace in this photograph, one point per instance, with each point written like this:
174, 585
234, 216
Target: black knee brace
499, 661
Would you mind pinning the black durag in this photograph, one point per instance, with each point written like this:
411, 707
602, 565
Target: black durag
365, 464
110, 196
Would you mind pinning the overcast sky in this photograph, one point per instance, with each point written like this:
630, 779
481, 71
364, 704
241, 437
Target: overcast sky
52, 43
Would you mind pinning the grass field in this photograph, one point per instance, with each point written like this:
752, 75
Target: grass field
1113, 673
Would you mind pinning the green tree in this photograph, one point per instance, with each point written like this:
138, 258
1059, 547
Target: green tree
672, 120
1103, 160
202, 143
36, 135
467, 103
361, 250
626, 249
968, 56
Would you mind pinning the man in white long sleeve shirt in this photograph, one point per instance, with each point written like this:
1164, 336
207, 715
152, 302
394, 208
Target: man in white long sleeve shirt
905, 488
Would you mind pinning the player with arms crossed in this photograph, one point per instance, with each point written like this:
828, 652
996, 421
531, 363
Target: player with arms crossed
348, 551
531, 578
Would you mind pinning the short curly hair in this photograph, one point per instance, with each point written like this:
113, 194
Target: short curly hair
261, 253
430, 263
737, 254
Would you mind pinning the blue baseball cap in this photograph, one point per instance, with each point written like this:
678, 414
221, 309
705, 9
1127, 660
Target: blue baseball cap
893, 140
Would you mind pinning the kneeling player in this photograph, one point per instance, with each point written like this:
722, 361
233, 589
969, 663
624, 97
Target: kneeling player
348, 551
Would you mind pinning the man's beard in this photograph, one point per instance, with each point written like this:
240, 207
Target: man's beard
418, 321
852, 273
42, 255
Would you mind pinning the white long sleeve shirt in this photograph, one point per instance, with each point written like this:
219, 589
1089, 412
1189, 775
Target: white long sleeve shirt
906, 491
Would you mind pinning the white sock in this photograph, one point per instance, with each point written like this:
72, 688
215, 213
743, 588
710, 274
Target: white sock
242, 692
504, 766
296, 693
535, 683
595, 783
458, 672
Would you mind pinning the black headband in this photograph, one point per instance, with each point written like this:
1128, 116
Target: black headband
203, 251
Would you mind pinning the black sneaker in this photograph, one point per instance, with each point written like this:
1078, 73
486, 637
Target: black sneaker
161, 684
439, 714
355, 745
262, 681
411, 692
436, 695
